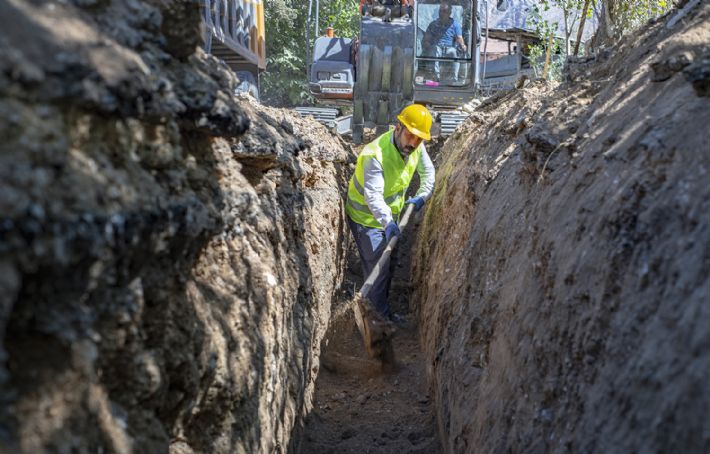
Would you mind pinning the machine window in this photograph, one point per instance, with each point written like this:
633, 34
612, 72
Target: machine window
443, 38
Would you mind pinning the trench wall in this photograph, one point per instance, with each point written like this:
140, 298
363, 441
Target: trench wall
561, 269
168, 252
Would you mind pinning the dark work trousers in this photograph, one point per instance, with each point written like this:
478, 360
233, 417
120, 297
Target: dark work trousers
371, 244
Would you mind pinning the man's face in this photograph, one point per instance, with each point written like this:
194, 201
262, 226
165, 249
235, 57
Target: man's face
405, 141
444, 13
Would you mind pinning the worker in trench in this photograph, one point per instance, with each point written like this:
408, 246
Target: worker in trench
376, 194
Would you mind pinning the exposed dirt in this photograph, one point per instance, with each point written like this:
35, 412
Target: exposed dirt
168, 252
563, 262
362, 405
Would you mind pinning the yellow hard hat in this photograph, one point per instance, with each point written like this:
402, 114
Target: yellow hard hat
417, 119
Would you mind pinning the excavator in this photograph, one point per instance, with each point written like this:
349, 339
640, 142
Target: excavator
396, 61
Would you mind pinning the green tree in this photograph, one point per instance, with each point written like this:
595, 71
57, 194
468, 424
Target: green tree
572, 11
285, 82
543, 57
619, 17
342, 15
616, 18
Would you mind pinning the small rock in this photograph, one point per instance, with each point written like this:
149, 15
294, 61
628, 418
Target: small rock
287, 126
698, 74
348, 433
414, 437
361, 399
546, 414
522, 82
390, 435
339, 396
36, 211
180, 446
542, 140
664, 70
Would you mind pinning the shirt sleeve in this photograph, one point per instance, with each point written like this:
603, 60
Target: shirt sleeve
427, 175
457, 29
374, 191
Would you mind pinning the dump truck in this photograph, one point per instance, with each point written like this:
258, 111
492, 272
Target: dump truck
392, 64
234, 31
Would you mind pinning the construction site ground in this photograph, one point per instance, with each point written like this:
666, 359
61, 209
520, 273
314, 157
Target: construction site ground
362, 405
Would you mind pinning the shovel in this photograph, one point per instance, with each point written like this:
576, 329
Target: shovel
377, 331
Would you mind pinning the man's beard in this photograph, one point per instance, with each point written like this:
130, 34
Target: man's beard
403, 151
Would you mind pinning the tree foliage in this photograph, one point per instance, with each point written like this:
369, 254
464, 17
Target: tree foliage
615, 18
285, 82
342, 15
543, 55
619, 17
631, 14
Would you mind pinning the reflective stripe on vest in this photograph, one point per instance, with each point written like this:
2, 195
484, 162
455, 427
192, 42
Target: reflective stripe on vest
397, 176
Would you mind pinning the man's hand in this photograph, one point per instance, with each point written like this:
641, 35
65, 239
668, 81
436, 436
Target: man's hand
418, 202
461, 44
391, 230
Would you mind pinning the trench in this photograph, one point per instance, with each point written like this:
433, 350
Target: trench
361, 404
175, 269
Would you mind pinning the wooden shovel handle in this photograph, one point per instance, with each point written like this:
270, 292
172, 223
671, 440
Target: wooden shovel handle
387, 252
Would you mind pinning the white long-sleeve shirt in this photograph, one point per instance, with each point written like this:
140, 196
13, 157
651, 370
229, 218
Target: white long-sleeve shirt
375, 185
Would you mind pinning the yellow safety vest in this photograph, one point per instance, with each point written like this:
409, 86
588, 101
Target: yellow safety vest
397, 173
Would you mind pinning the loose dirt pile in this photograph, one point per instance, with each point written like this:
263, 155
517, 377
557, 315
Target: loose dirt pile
168, 253
359, 407
562, 266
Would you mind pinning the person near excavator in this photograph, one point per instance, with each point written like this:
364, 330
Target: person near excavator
376, 192
444, 38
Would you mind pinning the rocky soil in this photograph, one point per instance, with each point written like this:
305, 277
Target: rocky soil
562, 265
168, 252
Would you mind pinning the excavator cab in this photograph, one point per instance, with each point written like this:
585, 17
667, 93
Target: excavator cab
445, 44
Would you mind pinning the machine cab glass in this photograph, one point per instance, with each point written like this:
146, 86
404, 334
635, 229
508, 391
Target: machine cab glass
443, 43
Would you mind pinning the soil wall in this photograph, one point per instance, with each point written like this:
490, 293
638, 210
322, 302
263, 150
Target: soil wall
562, 265
168, 252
